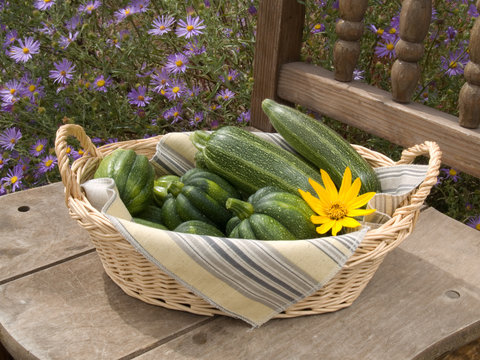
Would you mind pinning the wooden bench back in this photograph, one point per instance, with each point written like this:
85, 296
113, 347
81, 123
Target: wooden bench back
279, 75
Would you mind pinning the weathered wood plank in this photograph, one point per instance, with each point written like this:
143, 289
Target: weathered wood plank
278, 41
36, 230
410, 310
74, 311
372, 109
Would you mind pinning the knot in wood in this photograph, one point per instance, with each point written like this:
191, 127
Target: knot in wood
349, 30
408, 51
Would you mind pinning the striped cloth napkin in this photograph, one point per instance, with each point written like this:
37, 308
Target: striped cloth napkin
249, 279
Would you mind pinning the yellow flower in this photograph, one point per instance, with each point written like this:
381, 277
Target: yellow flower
336, 209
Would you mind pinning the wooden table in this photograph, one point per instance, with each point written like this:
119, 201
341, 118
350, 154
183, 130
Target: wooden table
56, 302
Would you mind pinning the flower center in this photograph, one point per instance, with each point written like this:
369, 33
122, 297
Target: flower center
1, 161
140, 98
179, 63
46, 1
229, 78
39, 147
163, 81
48, 163
63, 73
100, 82
452, 172
318, 26
12, 39
392, 31
69, 150
80, 152
390, 47
176, 89
477, 226
337, 211
32, 88
90, 7
175, 114
12, 141
162, 27
190, 28
380, 31
25, 50
162, 92
12, 91
14, 179
127, 11
87, 84
453, 64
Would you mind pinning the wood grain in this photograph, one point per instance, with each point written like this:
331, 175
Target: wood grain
278, 41
371, 109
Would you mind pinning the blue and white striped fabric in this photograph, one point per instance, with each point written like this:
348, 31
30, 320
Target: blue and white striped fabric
249, 279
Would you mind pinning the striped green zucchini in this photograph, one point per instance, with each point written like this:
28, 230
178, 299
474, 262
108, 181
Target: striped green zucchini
320, 145
250, 162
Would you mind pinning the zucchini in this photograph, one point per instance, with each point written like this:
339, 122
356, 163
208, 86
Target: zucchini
149, 223
199, 228
250, 162
320, 145
271, 214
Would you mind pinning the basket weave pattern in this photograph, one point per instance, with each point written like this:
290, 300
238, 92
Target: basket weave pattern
139, 278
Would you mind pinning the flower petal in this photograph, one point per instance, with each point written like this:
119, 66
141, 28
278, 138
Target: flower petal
349, 222
315, 204
346, 184
360, 201
360, 212
319, 219
329, 185
322, 193
353, 191
336, 228
325, 227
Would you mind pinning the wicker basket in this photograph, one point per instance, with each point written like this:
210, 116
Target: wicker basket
139, 278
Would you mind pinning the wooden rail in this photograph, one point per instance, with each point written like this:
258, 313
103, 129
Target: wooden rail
278, 75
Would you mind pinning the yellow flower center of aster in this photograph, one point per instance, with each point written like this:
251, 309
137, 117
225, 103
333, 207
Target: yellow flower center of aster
175, 114
214, 107
162, 27
87, 84
452, 172
46, 1
318, 26
453, 64
127, 11
14, 179
179, 63
163, 81
100, 82
81, 152
477, 226
229, 78
12, 39
390, 47
39, 147
12, 141
63, 73
32, 88
336, 211
48, 163
12, 91
392, 31
90, 7
25, 50
176, 89
162, 92
69, 150
190, 28
1, 161
380, 31
140, 98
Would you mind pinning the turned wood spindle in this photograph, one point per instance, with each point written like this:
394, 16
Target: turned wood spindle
349, 30
469, 97
414, 23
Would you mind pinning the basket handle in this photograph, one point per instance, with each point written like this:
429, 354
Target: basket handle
431, 149
72, 186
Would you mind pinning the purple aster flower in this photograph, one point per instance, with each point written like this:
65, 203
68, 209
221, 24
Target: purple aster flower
160, 81
214, 107
67, 40
140, 5
38, 148
468, 206
192, 48
386, 48
225, 94
101, 84
375, 30
12, 91
44, 4
472, 11
196, 119
176, 63
63, 72
455, 62
474, 222
10, 38
252, 10
174, 114
190, 28
358, 74
138, 96
47, 29
232, 75
175, 91
24, 163
9, 138
14, 177
124, 13
206, 3
73, 23
317, 28
244, 117
194, 91
450, 174
161, 25
451, 33
3, 160
117, 40
24, 52
33, 88
89, 6
47, 164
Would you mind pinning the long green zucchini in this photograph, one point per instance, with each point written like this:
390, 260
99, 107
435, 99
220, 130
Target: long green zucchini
320, 145
250, 162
